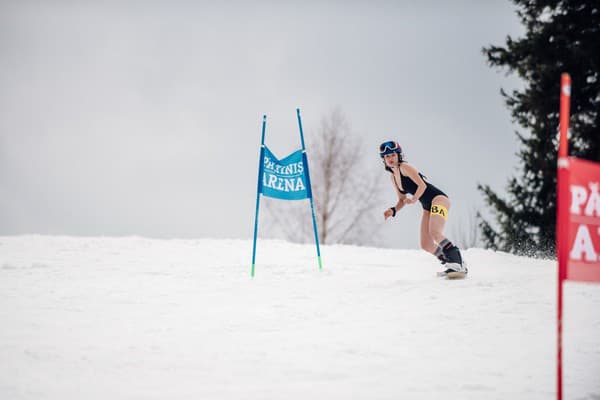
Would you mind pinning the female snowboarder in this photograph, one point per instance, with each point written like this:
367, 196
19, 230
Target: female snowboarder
406, 179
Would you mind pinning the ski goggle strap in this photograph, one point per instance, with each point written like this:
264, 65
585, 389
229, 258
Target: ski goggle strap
389, 147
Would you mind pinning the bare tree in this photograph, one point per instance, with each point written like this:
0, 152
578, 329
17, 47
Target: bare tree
345, 189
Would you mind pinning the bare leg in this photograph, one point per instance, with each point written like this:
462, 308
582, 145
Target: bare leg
446, 250
427, 242
436, 222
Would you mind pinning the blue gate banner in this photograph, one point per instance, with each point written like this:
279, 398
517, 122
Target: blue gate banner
284, 179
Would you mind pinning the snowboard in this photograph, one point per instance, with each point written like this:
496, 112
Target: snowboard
456, 275
452, 275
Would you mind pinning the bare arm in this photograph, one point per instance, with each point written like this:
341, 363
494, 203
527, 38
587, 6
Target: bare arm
412, 173
401, 197
401, 200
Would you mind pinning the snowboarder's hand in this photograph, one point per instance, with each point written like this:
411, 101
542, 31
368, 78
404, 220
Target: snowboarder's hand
388, 213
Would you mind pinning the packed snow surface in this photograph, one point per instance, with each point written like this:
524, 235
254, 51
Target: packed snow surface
135, 318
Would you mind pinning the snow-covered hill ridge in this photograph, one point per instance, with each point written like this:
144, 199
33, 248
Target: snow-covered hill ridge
131, 317
227, 252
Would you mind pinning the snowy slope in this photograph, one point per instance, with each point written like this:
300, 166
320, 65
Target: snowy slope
134, 318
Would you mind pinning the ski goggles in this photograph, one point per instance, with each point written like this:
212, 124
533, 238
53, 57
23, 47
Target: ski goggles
389, 147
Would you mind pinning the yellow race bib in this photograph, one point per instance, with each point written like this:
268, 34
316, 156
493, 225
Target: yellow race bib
440, 210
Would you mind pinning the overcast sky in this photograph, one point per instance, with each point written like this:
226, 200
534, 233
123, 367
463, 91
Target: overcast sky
143, 118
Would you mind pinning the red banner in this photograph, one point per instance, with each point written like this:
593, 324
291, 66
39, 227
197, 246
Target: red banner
579, 226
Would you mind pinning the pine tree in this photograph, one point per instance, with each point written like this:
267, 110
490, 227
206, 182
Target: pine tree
561, 36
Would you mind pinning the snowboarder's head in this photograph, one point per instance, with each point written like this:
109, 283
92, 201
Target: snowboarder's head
391, 153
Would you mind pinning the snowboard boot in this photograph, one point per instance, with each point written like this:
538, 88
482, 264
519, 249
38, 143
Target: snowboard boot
454, 259
439, 253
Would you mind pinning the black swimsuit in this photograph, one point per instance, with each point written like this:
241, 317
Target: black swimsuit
411, 187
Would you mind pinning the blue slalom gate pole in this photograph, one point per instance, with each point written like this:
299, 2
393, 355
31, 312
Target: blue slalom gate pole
260, 170
310, 197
